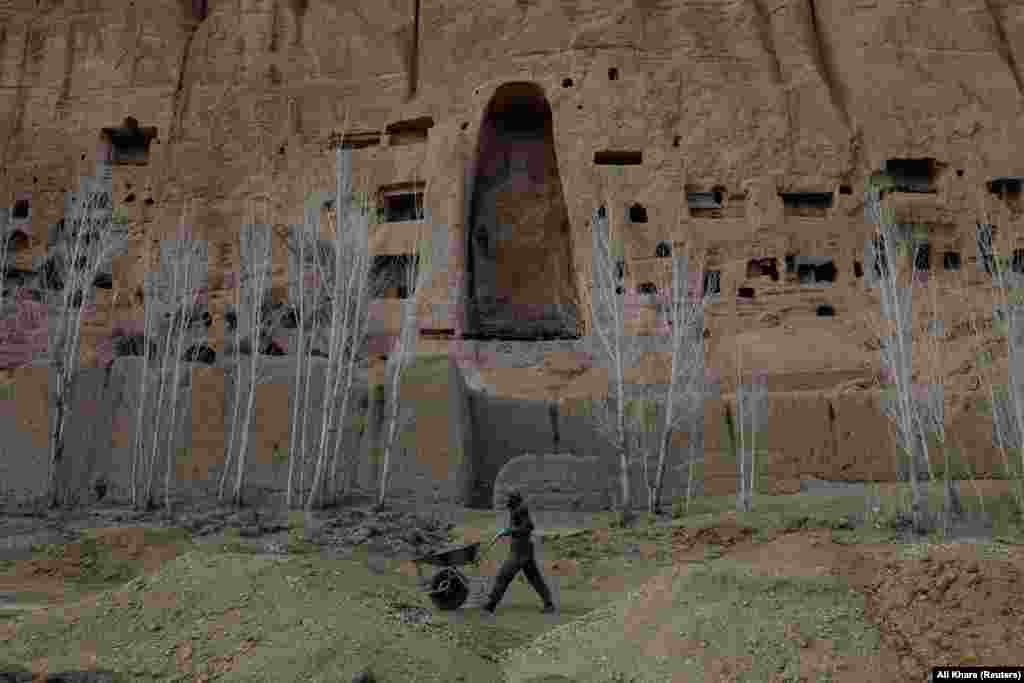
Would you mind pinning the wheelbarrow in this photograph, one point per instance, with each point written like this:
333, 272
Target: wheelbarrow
449, 587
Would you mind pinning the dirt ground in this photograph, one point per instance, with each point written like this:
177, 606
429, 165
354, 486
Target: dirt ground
895, 609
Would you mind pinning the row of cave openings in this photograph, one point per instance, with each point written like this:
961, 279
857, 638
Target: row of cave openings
525, 104
913, 176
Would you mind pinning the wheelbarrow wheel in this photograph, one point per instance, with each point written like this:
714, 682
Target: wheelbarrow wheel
448, 589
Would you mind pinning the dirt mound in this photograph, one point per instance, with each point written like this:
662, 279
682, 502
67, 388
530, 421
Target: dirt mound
950, 609
725, 535
807, 554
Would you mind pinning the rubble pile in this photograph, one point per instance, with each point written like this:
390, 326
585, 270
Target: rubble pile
389, 532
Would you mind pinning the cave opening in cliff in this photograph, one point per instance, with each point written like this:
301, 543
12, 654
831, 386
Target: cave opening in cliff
745, 293
199, 9
923, 257
951, 260
21, 210
128, 143
712, 282
913, 175
1009, 190
409, 132
763, 267
360, 139
705, 204
390, 277
520, 273
806, 204
813, 271
402, 202
637, 213
618, 157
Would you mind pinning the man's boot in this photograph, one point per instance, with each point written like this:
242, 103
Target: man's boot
548, 609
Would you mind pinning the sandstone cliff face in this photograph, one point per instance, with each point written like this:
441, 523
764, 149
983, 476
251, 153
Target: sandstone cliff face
497, 112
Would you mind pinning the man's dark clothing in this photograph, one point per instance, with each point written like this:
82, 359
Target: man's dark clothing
521, 558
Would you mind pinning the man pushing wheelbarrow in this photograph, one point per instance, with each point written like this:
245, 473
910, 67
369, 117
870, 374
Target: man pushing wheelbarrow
520, 558
449, 587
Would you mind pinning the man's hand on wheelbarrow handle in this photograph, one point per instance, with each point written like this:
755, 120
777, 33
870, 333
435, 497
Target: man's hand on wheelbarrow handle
503, 532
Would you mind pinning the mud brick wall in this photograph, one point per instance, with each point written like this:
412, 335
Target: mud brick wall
434, 455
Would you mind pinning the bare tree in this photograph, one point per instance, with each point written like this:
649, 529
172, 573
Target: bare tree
683, 305
619, 350
890, 250
89, 238
930, 396
173, 309
138, 449
303, 287
348, 283
235, 281
1006, 401
751, 409
255, 265
416, 274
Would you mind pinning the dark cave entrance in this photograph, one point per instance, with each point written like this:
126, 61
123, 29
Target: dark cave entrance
521, 282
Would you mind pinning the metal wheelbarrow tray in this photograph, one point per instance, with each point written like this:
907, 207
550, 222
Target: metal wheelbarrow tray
449, 588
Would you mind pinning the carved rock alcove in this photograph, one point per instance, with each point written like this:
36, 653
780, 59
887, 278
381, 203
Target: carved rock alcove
520, 271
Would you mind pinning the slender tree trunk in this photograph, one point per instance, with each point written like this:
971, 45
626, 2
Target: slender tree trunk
57, 443
250, 404
328, 403
139, 447
150, 502
392, 425
182, 327
229, 455
622, 449
303, 464
299, 359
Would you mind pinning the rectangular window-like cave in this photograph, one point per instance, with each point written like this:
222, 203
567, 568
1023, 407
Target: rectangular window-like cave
811, 271
705, 204
912, 175
128, 143
923, 257
390, 277
618, 158
806, 204
409, 132
360, 140
712, 282
403, 202
20, 210
1007, 188
951, 260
